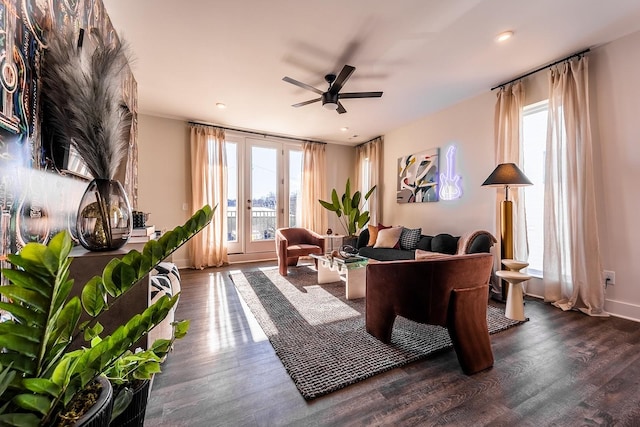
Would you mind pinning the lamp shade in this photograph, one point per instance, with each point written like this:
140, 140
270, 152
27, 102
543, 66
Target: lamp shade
507, 174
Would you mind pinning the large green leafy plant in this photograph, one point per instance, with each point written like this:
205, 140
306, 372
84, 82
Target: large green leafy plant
40, 374
348, 208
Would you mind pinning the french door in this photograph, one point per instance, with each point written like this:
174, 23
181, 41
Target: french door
263, 192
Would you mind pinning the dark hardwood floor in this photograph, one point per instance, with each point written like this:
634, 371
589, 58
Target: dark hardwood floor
558, 369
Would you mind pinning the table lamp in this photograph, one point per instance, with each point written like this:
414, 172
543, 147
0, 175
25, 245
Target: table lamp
507, 175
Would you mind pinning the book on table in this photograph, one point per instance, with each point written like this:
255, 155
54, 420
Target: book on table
143, 231
141, 239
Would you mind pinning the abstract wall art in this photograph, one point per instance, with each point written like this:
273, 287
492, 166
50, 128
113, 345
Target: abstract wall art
418, 177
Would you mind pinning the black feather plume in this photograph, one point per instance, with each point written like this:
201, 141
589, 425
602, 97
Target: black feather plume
83, 99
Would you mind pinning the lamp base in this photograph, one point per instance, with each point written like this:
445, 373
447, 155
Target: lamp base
506, 243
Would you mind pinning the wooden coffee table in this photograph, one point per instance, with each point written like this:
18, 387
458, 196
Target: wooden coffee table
332, 269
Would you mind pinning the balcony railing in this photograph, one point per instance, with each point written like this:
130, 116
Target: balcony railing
263, 224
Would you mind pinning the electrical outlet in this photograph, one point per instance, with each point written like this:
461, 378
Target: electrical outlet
609, 277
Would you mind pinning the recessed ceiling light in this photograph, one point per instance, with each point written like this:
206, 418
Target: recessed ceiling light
506, 35
344, 129
221, 106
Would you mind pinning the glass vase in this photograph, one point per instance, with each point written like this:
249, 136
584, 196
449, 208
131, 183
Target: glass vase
104, 216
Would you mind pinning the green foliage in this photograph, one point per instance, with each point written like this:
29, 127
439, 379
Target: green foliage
39, 375
348, 207
131, 368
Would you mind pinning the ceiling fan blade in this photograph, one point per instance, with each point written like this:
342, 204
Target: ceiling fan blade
360, 95
302, 85
344, 75
340, 109
311, 101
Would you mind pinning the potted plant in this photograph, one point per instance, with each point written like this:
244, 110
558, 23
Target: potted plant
39, 375
348, 209
131, 374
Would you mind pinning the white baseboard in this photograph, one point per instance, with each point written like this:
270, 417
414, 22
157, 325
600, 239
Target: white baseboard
181, 263
621, 309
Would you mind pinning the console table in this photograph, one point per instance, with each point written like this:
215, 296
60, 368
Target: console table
87, 264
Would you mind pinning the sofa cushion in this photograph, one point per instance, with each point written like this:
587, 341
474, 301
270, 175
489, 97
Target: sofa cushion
409, 238
444, 243
384, 254
363, 238
302, 249
482, 243
424, 243
373, 233
388, 238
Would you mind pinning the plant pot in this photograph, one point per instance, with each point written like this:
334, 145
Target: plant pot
99, 414
350, 241
135, 412
104, 216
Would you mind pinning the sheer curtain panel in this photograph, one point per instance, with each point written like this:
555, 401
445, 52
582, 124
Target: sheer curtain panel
508, 143
368, 157
572, 262
314, 216
209, 186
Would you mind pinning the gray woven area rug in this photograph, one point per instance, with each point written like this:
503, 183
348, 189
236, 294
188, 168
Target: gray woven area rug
320, 336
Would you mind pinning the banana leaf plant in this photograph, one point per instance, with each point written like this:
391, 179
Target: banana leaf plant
39, 374
348, 209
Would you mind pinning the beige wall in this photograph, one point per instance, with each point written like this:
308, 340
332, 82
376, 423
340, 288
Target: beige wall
616, 101
164, 180
468, 125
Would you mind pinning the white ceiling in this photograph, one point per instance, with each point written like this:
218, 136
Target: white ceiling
424, 55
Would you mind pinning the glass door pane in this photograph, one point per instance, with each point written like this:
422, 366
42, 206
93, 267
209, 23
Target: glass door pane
263, 200
232, 192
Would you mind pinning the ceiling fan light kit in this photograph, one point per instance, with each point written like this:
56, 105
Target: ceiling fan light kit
331, 98
330, 101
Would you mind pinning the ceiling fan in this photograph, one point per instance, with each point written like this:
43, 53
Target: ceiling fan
331, 98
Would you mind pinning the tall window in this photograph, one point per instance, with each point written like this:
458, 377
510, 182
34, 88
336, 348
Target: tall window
534, 134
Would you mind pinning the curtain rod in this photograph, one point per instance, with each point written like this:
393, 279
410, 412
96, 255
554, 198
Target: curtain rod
542, 68
366, 142
264, 134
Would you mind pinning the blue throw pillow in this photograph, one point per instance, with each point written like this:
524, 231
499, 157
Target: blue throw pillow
409, 238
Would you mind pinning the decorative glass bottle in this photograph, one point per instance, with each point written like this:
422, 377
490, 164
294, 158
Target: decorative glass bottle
104, 216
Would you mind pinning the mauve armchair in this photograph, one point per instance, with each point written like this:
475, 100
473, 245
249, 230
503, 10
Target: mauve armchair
294, 242
450, 292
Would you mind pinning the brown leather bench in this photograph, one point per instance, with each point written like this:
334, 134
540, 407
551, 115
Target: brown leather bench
451, 292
